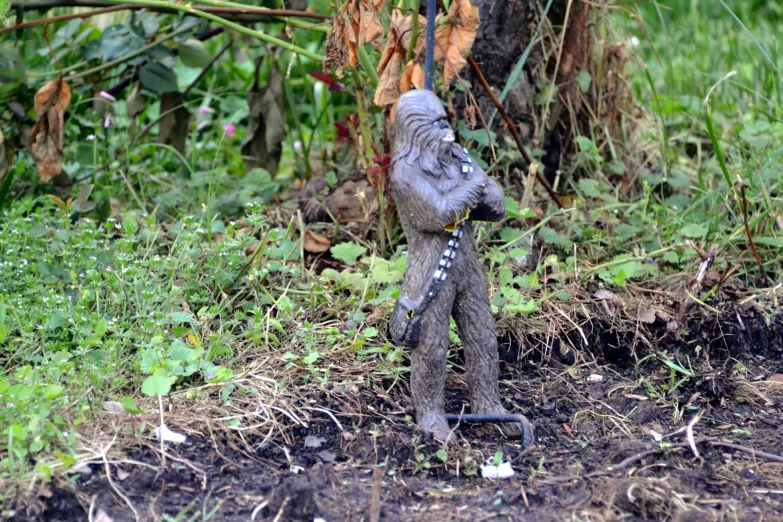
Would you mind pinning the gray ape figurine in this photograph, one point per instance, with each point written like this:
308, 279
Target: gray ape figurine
438, 190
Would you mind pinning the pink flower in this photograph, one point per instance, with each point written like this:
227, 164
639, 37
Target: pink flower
107, 122
202, 125
107, 96
298, 146
206, 110
230, 130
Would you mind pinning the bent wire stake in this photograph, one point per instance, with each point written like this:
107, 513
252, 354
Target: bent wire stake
528, 434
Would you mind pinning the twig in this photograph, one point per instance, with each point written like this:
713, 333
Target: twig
763, 278
245, 14
644, 454
689, 434
113, 485
77, 401
375, 499
279, 516
744, 449
61, 18
694, 287
512, 128
160, 431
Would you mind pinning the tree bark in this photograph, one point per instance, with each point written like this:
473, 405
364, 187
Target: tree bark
507, 27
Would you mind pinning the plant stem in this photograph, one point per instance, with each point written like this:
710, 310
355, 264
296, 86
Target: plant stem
429, 55
364, 129
367, 65
414, 30
129, 56
190, 10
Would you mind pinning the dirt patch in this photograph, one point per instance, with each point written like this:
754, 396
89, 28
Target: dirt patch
596, 456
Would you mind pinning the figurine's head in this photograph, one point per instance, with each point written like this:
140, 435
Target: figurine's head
421, 125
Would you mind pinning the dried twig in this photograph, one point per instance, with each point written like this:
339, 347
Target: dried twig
763, 277
644, 454
512, 128
744, 449
694, 287
689, 434
61, 18
244, 14
375, 499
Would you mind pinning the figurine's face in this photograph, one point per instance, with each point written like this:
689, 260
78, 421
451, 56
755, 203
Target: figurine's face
420, 119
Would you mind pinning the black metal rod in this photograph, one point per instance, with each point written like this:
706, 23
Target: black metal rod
429, 43
528, 433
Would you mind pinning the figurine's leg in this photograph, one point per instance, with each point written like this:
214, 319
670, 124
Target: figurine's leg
473, 315
428, 365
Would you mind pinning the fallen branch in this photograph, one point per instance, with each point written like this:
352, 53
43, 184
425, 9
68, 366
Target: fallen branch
512, 128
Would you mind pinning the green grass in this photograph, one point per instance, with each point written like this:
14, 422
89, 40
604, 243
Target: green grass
169, 289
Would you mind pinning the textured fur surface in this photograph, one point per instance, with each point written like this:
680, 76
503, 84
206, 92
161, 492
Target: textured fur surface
432, 190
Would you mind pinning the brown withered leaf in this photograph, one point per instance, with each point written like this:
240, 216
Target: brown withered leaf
403, 27
263, 145
135, 103
4, 159
342, 44
173, 127
412, 76
370, 27
389, 81
454, 40
46, 136
388, 90
316, 243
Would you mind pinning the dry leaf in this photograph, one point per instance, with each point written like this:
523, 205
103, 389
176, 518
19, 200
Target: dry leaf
342, 48
388, 90
135, 103
402, 27
776, 378
173, 127
316, 243
357, 23
647, 316
454, 40
4, 159
412, 77
266, 126
46, 136
370, 27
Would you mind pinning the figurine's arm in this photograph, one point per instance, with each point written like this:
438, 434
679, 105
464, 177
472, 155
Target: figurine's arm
492, 206
430, 211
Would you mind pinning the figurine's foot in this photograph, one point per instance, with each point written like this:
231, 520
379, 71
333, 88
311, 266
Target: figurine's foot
437, 425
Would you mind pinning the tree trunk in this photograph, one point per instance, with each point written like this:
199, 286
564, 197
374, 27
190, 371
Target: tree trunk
507, 27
